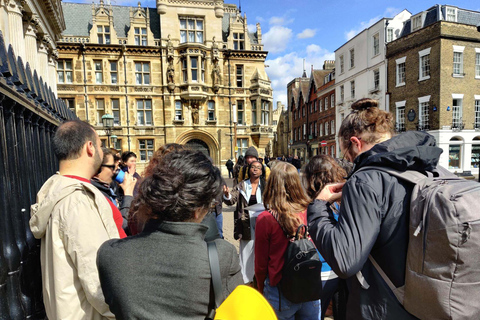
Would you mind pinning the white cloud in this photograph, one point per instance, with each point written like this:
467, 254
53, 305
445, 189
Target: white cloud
276, 39
390, 12
285, 68
280, 21
307, 33
259, 19
252, 28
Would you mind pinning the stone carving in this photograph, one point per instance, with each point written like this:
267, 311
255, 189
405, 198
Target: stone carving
195, 113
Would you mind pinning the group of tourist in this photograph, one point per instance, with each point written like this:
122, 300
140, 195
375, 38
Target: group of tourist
91, 269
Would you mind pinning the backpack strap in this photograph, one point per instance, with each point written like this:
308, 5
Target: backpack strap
412, 176
216, 279
398, 292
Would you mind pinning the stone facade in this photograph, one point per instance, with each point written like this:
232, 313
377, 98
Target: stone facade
445, 100
32, 28
188, 72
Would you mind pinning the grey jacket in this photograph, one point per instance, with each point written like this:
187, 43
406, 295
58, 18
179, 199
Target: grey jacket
164, 272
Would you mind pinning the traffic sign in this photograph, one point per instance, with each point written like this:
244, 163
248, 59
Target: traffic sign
323, 143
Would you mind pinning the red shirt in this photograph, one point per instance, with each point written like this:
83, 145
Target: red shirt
117, 215
270, 246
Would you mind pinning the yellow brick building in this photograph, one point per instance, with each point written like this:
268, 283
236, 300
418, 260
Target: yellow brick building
188, 72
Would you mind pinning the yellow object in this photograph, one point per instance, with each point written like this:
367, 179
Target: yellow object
245, 303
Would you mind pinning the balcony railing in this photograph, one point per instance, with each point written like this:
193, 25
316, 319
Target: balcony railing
458, 124
476, 126
399, 126
423, 126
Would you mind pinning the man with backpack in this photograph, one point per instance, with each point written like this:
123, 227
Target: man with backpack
374, 211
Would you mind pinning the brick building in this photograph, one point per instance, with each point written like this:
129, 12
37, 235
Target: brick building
188, 72
434, 82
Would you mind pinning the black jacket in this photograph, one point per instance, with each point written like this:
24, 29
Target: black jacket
373, 220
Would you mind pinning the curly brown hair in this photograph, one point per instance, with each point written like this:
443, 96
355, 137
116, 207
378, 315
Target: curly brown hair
181, 183
320, 171
160, 153
367, 121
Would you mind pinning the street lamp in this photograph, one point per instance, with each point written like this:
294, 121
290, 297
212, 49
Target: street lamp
114, 140
107, 121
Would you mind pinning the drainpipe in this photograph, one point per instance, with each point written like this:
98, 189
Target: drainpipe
124, 50
83, 48
230, 104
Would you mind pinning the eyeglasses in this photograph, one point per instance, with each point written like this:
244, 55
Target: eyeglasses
111, 166
348, 148
258, 168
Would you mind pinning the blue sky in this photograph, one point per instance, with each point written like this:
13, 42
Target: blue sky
294, 30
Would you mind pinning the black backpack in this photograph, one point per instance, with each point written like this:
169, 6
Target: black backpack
301, 274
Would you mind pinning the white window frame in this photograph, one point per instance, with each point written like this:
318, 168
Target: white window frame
178, 110
142, 73
417, 21
401, 65
142, 108
352, 89
400, 115
98, 64
65, 70
146, 151
476, 124
423, 111
457, 111
332, 126
332, 100
211, 111
320, 130
342, 64
390, 34
327, 128
376, 79
241, 113
458, 65
351, 53
188, 31
342, 93
116, 111
421, 56
449, 14
140, 36
376, 44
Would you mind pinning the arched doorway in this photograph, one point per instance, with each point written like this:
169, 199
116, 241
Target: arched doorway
198, 145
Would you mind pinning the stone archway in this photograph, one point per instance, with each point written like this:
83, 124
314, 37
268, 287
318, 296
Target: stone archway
202, 141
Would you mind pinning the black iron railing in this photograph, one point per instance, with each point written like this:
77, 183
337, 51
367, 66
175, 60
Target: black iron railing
29, 115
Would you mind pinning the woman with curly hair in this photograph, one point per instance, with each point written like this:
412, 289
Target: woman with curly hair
287, 204
320, 171
164, 272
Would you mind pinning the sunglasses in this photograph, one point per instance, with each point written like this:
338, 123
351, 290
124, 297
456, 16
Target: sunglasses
111, 166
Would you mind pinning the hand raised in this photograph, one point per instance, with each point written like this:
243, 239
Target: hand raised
331, 192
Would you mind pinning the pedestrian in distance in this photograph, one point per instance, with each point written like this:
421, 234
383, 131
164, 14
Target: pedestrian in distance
129, 164
72, 219
245, 194
287, 203
236, 169
373, 213
229, 164
320, 171
164, 272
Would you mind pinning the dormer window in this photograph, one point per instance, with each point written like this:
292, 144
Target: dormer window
103, 34
451, 14
140, 36
191, 30
417, 21
238, 41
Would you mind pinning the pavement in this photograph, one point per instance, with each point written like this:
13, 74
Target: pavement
228, 223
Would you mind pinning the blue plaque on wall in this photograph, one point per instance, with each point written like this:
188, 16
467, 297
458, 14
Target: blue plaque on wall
411, 115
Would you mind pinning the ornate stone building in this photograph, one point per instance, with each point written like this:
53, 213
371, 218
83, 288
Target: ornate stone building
32, 28
188, 72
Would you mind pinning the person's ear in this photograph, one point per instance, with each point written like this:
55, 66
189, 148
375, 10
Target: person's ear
90, 148
356, 144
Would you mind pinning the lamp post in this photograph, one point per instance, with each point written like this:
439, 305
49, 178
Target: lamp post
114, 140
107, 121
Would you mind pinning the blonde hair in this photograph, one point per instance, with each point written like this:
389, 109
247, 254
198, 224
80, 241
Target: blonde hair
367, 121
285, 196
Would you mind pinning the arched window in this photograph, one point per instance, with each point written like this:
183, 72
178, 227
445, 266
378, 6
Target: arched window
475, 162
455, 153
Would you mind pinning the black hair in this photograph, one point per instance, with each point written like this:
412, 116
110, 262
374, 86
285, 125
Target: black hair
70, 138
263, 176
182, 182
127, 155
107, 152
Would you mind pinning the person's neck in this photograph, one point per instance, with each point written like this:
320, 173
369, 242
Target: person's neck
75, 168
254, 180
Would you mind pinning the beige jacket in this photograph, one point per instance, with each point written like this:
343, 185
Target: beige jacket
72, 218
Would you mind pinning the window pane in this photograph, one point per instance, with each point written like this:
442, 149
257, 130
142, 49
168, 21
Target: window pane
146, 79
68, 64
114, 78
138, 78
194, 62
183, 24
142, 144
138, 66
146, 67
61, 76
454, 156
191, 36
183, 36
144, 30
148, 117
99, 29
148, 104
140, 118
200, 36
191, 24
199, 25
